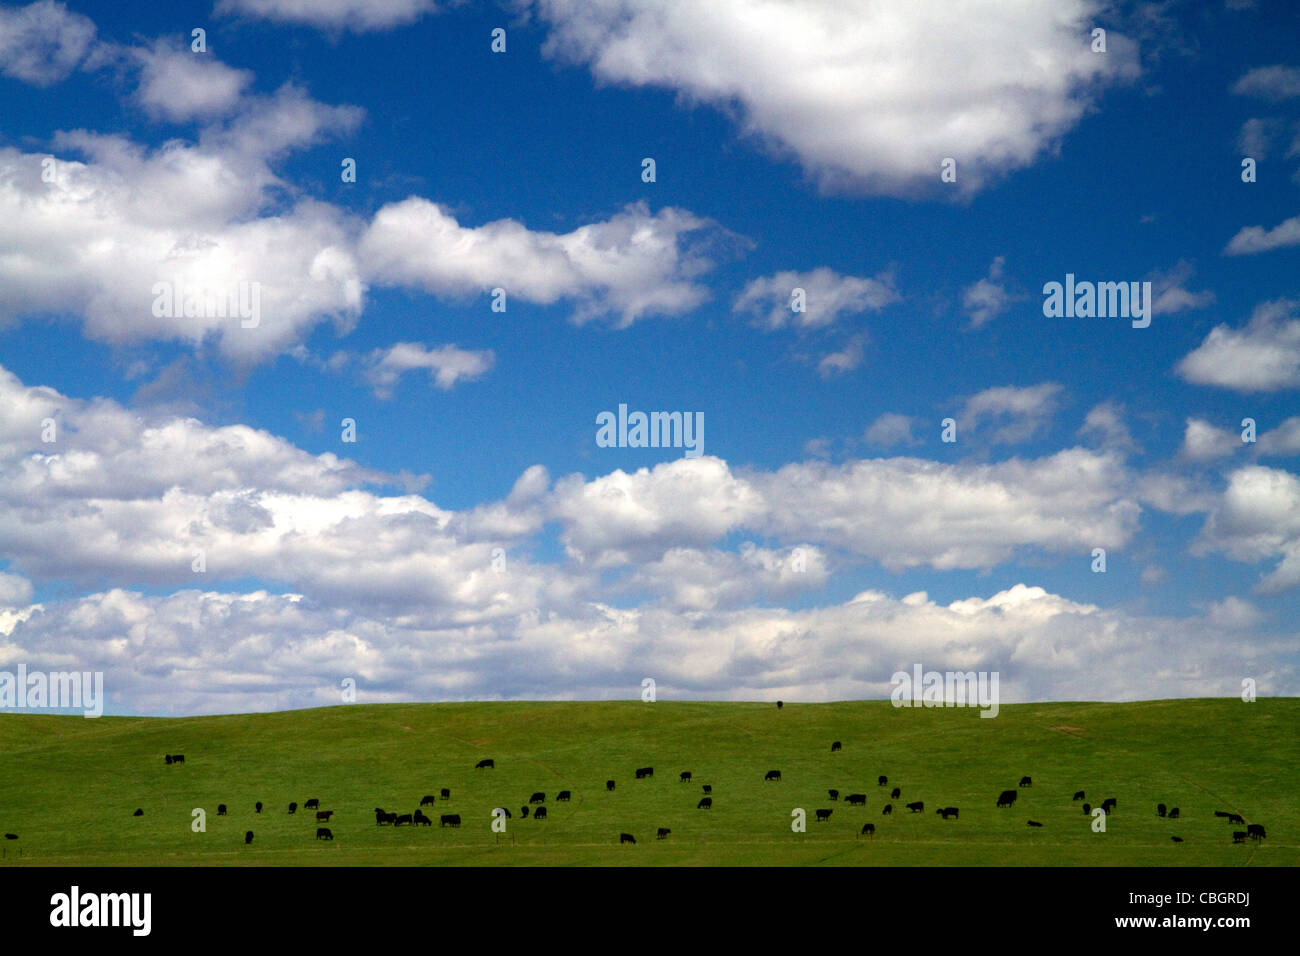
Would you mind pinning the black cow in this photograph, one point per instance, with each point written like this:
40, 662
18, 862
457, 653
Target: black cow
772, 775
1256, 831
421, 820
293, 808
706, 803
609, 785
644, 772
312, 804
1177, 839
895, 793
323, 833
1108, 805
947, 812
538, 797
138, 813
504, 811
1007, 798
1026, 782
1079, 796
221, 809
1034, 823
1087, 808
823, 815
1239, 836
889, 809
833, 794
445, 793
404, 818
1173, 814
835, 745
168, 758
1232, 817
258, 806
663, 832
881, 781
11, 836
178, 758
708, 788
563, 796
779, 705
869, 829
917, 807
626, 838
685, 777
381, 817
523, 812
427, 800
323, 816
540, 814
1160, 809
856, 799
248, 838
449, 820
488, 764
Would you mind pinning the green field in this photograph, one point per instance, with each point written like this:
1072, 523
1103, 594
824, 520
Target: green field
69, 784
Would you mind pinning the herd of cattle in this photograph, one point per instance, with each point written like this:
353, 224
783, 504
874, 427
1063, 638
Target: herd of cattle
535, 805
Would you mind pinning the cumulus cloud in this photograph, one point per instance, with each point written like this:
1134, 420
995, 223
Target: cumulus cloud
892, 429
1023, 411
446, 365
1107, 422
867, 97
844, 360
43, 42
1262, 357
1256, 518
1169, 295
988, 298
827, 296
1270, 82
1283, 440
1203, 442
177, 84
359, 16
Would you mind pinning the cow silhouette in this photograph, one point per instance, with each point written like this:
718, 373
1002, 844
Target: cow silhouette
895, 793
381, 817
221, 809
293, 808
1026, 782
563, 796
1239, 836
1108, 805
823, 815
248, 837
881, 781
708, 788
1173, 814
917, 807
856, 799
323, 833
663, 832
1079, 795
138, 813
772, 775
626, 838
706, 803
833, 794
257, 807
421, 820
523, 812
643, 772
888, 810
609, 785
427, 800
947, 812
685, 777
1232, 817
1034, 823
449, 820
486, 764
312, 804
1160, 809
869, 829
11, 836
835, 745
323, 816
168, 758
779, 705
178, 758
1007, 798
1087, 808
538, 797
1255, 831
1177, 839
540, 814
404, 818
445, 793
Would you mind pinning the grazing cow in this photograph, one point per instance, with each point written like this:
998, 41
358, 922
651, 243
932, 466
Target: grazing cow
445, 793
323, 816
404, 818
293, 808
1160, 809
663, 832
1079, 796
540, 814
947, 812
706, 803
11, 836
869, 829
889, 809
488, 764
178, 758
1026, 782
1034, 823
644, 772
168, 758
1007, 798
835, 745
381, 817
895, 793
563, 796
685, 777
138, 813
427, 800
917, 807
1256, 831
609, 785
1235, 818
772, 775
1239, 836
257, 807
1087, 808
323, 833
833, 794
856, 799
1108, 805
248, 837
823, 815
1177, 839
312, 804
421, 820
881, 781
626, 838
779, 705
449, 820
1173, 814
523, 811
221, 809
708, 788
538, 797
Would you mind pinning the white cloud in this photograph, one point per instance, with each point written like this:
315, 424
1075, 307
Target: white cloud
1254, 239
892, 429
845, 360
1108, 422
43, 42
827, 296
1025, 411
1262, 357
988, 298
867, 96
1203, 442
177, 84
1256, 518
1168, 294
1270, 82
360, 16
1283, 440
446, 365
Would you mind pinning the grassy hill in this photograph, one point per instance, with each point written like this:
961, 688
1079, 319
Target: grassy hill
69, 785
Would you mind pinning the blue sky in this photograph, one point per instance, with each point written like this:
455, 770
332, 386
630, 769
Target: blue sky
795, 145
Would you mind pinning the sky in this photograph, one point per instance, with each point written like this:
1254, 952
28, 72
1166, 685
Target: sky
825, 232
